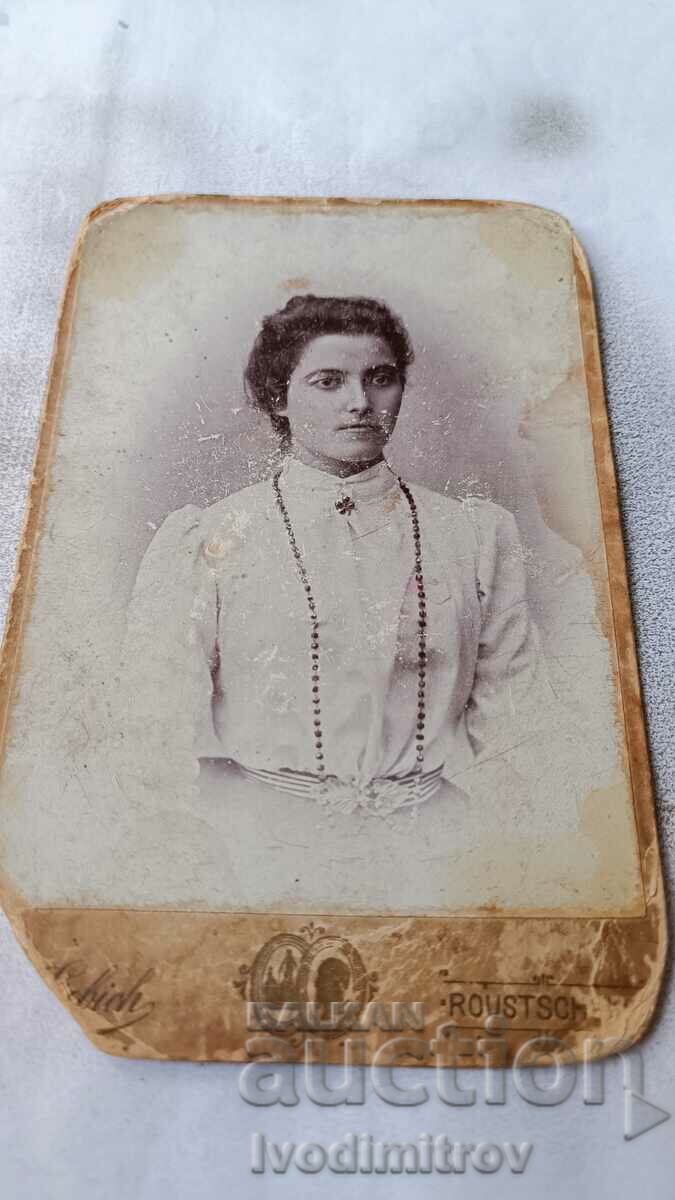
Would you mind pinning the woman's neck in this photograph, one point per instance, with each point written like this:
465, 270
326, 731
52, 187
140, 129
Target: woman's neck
333, 466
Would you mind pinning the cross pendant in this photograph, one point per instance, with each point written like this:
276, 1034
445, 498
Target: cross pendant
345, 504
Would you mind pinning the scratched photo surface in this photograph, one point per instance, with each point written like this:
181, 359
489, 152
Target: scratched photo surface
254, 678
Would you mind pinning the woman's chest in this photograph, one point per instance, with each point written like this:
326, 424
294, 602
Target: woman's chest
358, 588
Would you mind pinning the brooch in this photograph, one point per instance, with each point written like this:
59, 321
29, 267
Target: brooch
345, 504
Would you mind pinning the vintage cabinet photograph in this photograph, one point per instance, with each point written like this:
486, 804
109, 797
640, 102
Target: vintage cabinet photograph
322, 624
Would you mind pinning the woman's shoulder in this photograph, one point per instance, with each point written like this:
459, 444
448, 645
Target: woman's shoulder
489, 518
242, 505
189, 529
237, 517
475, 517
216, 532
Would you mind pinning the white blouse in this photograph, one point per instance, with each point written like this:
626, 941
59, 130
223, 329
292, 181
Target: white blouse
218, 629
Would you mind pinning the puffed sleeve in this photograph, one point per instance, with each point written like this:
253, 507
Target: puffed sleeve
511, 697
530, 761
168, 655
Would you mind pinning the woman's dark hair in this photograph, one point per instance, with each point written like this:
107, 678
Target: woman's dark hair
285, 334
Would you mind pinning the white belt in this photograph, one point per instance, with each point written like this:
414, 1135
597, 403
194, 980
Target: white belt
380, 797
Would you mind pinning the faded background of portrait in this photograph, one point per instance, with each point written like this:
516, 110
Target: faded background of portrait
154, 416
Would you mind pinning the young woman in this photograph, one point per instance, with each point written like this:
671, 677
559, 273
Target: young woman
342, 641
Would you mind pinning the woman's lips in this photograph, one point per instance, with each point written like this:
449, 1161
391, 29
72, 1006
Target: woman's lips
359, 429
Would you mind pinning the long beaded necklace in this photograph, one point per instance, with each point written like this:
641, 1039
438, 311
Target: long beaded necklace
345, 505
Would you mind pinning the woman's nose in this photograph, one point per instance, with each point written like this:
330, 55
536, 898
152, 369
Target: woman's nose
359, 400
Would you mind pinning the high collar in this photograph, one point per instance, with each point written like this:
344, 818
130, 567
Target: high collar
370, 484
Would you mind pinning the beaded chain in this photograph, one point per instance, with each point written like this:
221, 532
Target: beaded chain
314, 627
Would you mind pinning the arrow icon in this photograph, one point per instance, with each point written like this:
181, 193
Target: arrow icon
640, 1115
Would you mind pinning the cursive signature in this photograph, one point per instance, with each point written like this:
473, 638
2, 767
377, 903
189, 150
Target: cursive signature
121, 1006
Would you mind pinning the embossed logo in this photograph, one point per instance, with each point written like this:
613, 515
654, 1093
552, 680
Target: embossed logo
315, 981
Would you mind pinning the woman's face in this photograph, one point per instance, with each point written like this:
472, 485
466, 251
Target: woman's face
343, 399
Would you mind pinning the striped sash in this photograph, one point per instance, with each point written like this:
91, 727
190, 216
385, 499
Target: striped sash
380, 797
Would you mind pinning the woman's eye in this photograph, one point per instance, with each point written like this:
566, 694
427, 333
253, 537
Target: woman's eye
383, 378
328, 383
